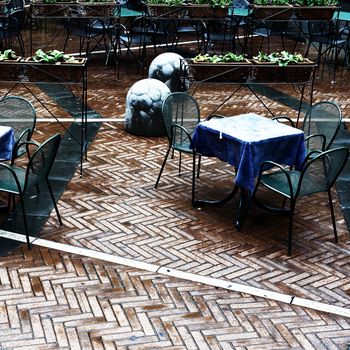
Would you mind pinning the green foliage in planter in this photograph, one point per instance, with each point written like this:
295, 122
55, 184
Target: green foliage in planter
74, 1
228, 57
282, 58
212, 3
316, 2
166, 2
53, 56
94, 1
54, 1
271, 2
8, 54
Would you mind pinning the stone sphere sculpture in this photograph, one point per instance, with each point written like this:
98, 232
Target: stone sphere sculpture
143, 113
166, 68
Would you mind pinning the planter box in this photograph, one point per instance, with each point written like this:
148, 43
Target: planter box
198, 11
166, 11
54, 73
315, 12
219, 12
206, 11
103, 9
235, 72
272, 12
264, 72
62, 9
9, 70
71, 8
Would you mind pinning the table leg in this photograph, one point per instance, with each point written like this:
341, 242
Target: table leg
243, 202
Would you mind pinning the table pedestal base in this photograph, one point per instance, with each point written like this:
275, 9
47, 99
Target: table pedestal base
244, 199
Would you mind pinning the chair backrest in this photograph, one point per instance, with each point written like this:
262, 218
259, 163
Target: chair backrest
181, 109
18, 113
15, 22
143, 27
83, 27
323, 118
17, 5
321, 171
41, 160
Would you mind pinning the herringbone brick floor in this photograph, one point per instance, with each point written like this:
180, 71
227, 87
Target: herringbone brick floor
50, 299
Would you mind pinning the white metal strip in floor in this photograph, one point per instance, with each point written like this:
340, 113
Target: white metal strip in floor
215, 282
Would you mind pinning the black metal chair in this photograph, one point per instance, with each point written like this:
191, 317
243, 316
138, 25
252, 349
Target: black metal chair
180, 117
11, 27
323, 118
16, 180
220, 35
18, 113
320, 125
319, 174
88, 31
328, 40
268, 29
141, 34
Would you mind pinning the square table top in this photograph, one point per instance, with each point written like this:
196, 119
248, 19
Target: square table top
246, 141
249, 127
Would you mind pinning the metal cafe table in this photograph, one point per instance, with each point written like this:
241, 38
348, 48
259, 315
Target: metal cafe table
7, 142
245, 141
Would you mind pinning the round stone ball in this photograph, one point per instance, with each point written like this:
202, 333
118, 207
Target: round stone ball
143, 112
166, 68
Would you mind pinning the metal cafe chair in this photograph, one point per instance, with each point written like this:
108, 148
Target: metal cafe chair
319, 174
88, 31
18, 113
180, 117
11, 27
16, 180
141, 34
323, 118
320, 125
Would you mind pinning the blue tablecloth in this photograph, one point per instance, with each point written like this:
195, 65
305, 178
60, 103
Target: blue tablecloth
7, 141
247, 140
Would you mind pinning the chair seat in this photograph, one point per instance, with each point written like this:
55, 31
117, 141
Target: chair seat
278, 182
262, 32
183, 147
136, 39
8, 183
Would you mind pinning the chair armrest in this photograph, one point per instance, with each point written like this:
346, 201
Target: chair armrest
281, 168
314, 136
25, 136
280, 119
177, 126
18, 145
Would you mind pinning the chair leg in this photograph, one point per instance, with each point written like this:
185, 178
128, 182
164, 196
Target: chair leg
290, 226
243, 216
162, 168
333, 218
180, 160
54, 202
25, 221
199, 165
21, 43
65, 43
193, 178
